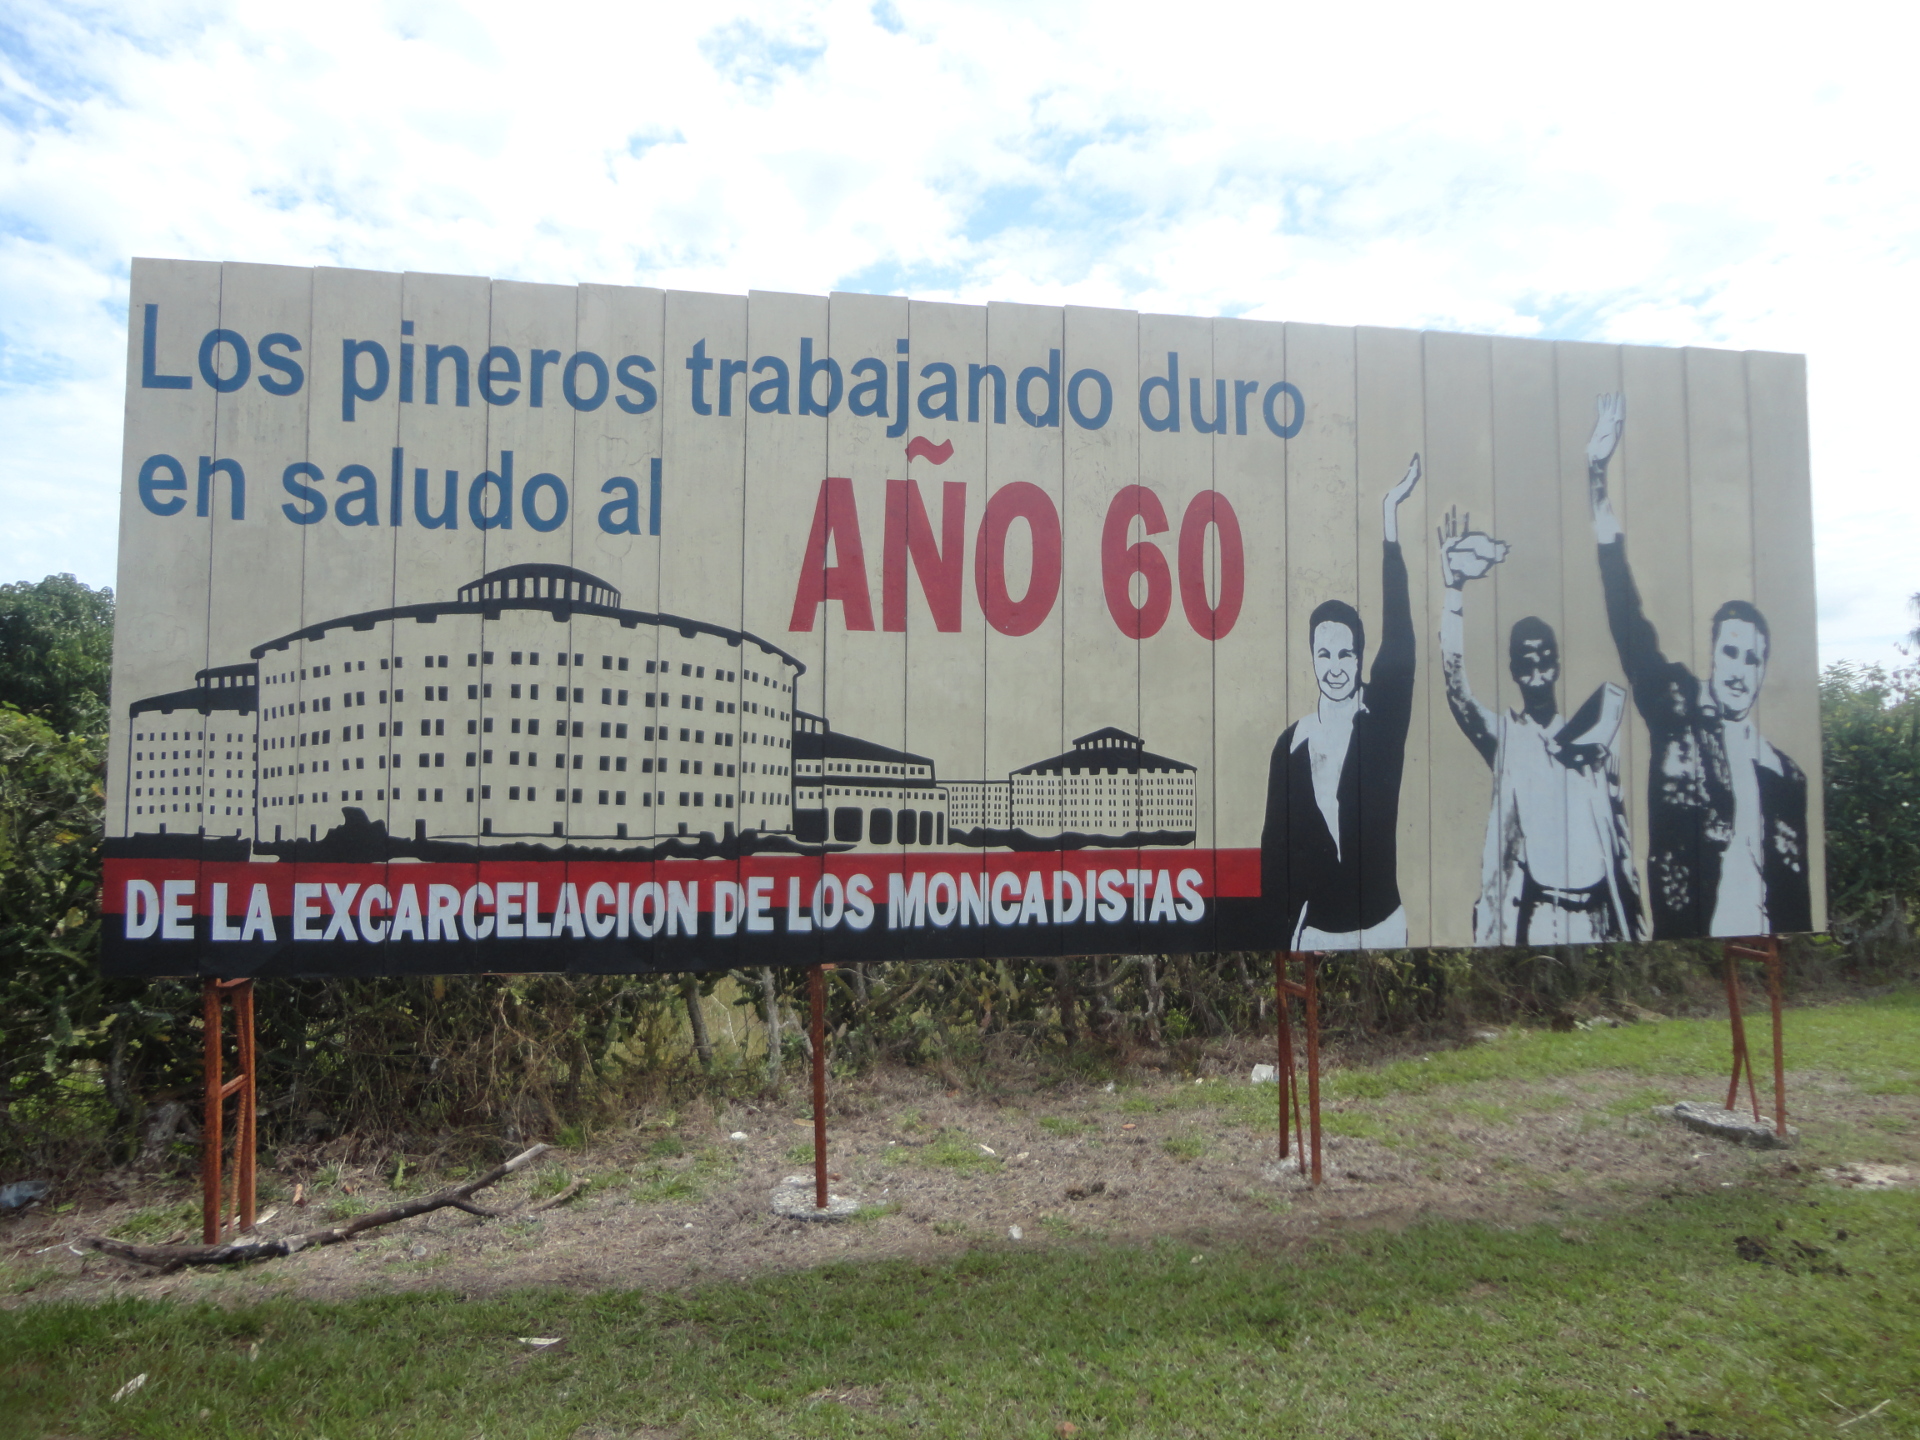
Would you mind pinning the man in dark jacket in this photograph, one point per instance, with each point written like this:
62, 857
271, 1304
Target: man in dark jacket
1726, 811
1329, 873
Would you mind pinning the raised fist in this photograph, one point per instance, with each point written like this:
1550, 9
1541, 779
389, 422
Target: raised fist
1465, 553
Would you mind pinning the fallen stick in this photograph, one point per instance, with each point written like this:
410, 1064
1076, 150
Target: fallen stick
1865, 1414
168, 1258
552, 1200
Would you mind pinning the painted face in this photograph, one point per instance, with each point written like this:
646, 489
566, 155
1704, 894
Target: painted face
1336, 663
1739, 667
1537, 664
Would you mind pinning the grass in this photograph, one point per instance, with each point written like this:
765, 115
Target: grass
949, 1150
156, 1223
549, 1180
664, 1187
1057, 1125
1361, 1126
1610, 1326
1869, 1045
27, 1280
1444, 1329
673, 1172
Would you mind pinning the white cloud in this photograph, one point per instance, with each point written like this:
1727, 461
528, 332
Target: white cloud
1700, 174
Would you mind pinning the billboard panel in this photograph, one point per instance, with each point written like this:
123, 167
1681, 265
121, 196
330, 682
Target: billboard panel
482, 625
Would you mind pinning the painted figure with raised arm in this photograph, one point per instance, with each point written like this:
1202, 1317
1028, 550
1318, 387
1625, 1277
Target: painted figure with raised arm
1329, 871
1557, 868
1726, 811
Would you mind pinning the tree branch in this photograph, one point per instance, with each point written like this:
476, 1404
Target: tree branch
168, 1258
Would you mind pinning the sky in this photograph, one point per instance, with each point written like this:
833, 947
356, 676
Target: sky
1700, 174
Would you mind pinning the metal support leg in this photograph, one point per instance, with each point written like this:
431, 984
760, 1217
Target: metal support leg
239, 994
212, 1120
1313, 1057
1308, 990
1289, 1074
246, 1141
1779, 1041
1764, 948
1742, 1057
817, 990
1283, 1042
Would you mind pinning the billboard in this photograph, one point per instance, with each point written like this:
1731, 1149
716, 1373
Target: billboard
483, 625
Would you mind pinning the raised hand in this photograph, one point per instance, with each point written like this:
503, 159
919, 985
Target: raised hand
1610, 417
1397, 494
1465, 553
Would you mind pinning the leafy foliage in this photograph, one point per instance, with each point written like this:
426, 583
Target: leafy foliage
1870, 722
74, 1049
56, 651
79, 1057
49, 869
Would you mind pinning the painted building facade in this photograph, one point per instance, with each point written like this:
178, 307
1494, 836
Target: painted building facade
532, 706
1108, 784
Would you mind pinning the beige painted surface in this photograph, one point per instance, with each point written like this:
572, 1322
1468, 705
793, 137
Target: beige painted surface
164, 560
1587, 655
1783, 577
1390, 433
1710, 481
1526, 501
1459, 477
946, 704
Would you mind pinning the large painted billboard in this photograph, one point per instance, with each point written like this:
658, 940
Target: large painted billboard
482, 625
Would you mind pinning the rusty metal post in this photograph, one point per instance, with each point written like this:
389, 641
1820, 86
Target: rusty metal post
1312, 960
245, 1143
1742, 1057
1289, 1075
1283, 1042
817, 989
1779, 1042
213, 1127
1733, 1025
212, 1121
1764, 948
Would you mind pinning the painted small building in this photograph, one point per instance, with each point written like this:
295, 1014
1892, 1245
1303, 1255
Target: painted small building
1109, 783
979, 805
853, 791
192, 756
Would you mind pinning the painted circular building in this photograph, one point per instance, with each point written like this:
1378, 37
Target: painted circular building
531, 706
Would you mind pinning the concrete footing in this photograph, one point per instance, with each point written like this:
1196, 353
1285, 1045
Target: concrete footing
1725, 1124
793, 1199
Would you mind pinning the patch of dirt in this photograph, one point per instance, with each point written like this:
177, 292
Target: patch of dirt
675, 1200
1862, 1175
